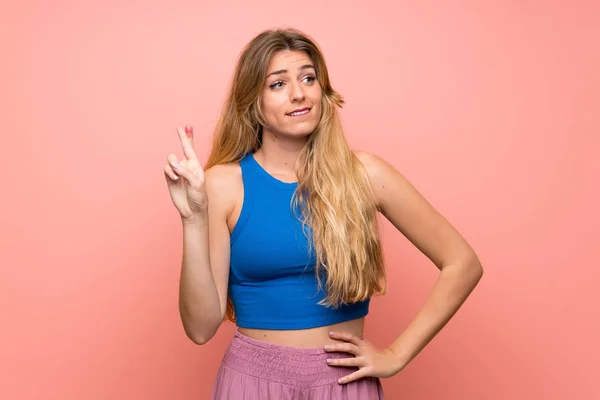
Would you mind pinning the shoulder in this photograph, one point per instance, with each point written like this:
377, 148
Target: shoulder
376, 167
223, 183
223, 175
386, 181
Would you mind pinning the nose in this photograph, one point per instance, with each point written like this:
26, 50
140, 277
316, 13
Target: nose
297, 93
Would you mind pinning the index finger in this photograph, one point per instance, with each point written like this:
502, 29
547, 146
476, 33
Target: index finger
356, 375
186, 138
347, 337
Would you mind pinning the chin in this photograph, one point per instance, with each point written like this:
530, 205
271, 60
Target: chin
295, 130
299, 133
303, 129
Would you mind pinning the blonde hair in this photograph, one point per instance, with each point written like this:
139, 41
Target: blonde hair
333, 192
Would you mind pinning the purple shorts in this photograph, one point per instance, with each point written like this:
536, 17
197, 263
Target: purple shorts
253, 370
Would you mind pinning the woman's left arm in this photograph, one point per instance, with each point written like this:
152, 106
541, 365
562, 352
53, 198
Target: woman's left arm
438, 240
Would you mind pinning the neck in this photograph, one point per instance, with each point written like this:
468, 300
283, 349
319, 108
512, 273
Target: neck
278, 155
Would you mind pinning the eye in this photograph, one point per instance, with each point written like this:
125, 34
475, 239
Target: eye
310, 79
276, 85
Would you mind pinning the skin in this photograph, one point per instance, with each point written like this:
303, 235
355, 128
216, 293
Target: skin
294, 87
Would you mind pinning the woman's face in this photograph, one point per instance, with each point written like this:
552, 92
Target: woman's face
291, 98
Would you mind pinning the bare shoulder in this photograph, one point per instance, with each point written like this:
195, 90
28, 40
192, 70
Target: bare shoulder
373, 164
381, 174
223, 175
223, 183
393, 192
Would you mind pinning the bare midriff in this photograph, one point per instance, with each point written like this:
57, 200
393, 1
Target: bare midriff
306, 338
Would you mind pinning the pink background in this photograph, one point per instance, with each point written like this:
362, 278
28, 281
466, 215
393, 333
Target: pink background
490, 108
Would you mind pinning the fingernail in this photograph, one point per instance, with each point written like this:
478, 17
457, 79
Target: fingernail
329, 360
332, 333
327, 347
175, 164
174, 177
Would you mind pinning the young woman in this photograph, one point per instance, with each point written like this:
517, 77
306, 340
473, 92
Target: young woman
280, 236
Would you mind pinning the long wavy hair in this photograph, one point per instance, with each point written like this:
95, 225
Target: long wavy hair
333, 192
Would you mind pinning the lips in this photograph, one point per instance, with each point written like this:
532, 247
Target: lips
298, 112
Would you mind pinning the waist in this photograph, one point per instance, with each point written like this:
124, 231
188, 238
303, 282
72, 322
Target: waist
305, 338
304, 367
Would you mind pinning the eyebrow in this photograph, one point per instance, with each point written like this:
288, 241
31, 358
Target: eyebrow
283, 71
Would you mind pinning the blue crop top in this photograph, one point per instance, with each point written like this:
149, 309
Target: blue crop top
272, 280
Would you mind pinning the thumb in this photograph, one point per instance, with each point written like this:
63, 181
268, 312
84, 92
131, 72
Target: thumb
182, 171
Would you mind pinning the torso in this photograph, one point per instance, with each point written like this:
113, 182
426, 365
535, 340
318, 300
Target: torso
303, 338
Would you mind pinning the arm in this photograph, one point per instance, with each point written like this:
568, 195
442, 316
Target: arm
205, 264
460, 270
436, 238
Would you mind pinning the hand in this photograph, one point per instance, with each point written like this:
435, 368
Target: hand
185, 179
369, 360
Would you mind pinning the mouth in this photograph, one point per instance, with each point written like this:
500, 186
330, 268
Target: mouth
299, 112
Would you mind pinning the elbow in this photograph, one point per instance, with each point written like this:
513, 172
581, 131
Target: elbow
467, 268
474, 267
199, 338
198, 330
201, 335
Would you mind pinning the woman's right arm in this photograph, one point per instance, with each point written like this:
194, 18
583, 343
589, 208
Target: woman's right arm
205, 264
203, 200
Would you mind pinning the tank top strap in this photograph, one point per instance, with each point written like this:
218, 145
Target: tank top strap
249, 179
249, 175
